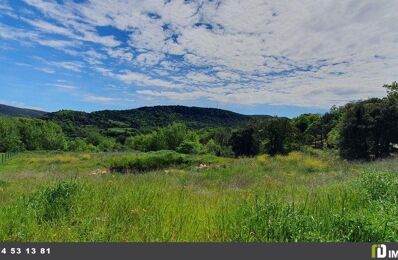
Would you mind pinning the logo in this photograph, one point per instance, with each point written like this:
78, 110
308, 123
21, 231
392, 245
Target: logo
380, 251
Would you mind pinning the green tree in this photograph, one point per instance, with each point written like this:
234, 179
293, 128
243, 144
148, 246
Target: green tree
277, 135
392, 89
244, 142
9, 135
369, 129
189, 147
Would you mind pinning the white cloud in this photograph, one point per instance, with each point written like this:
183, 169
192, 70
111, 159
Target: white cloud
306, 53
68, 65
63, 86
130, 77
149, 58
106, 100
46, 70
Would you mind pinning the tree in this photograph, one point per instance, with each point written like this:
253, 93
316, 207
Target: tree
9, 135
244, 142
53, 137
392, 89
189, 147
277, 135
310, 129
30, 134
369, 128
173, 135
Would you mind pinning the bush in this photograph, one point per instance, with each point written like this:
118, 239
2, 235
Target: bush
189, 147
147, 162
171, 137
53, 202
79, 145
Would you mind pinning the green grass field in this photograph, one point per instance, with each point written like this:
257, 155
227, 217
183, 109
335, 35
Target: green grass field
165, 196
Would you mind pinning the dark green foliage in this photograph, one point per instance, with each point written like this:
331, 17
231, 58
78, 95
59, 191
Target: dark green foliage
244, 142
369, 129
126, 123
19, 112
216, 140
310, 129
277, 135
360, 130
320, 130
392, 89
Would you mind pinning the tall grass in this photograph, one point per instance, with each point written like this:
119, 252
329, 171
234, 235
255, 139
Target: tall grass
300, 197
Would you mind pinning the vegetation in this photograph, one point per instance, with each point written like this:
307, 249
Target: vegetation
18, 134
370, 127
366, 129
190, 174
304, 196
128, 123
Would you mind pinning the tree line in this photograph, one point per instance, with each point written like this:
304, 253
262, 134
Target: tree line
364, 129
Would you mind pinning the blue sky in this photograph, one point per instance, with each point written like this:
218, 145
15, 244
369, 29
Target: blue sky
254, 57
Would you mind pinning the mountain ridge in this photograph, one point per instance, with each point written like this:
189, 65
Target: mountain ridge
146, 119
136, 120
6, 110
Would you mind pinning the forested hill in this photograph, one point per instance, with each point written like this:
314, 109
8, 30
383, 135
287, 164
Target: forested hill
145, 119
19, 112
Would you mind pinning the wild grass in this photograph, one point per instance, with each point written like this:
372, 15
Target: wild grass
305, 196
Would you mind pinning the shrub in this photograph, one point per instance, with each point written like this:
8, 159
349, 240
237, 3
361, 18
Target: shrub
189, 147
79, 145
167, 138
53, 202
147, 162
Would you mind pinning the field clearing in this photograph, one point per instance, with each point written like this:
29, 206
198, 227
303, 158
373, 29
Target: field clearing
165, 196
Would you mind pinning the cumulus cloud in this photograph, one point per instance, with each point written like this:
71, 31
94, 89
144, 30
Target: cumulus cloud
306, 53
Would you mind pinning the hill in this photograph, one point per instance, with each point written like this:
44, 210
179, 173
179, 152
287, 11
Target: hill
144, 119
19, 112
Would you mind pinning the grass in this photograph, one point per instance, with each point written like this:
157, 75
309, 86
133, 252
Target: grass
165, 196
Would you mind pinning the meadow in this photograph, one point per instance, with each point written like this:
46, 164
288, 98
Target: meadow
163, 196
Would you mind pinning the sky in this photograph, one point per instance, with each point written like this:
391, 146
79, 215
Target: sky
279, 57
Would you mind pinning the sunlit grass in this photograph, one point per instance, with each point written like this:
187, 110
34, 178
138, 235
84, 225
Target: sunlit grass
304, 196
